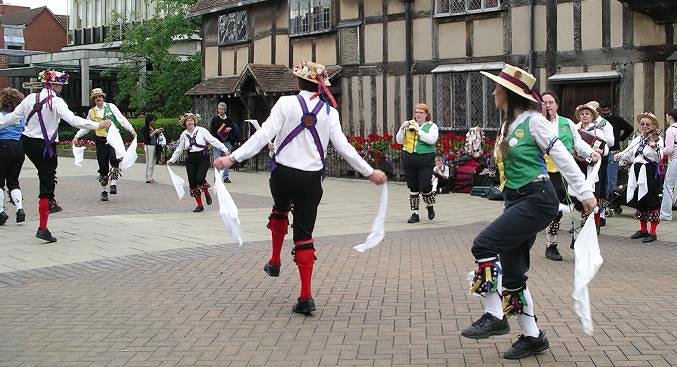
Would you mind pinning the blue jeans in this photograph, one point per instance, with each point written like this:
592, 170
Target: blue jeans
217, 153
611, 175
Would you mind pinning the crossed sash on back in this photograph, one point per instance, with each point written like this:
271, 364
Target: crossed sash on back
47, 151
308, 121
192, 141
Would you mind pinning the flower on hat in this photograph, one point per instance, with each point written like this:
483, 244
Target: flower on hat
53, 76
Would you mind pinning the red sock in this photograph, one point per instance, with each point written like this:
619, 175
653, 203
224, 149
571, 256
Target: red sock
642, 225
43, 209
597, 219
278, 224
206, 191
305, 260
652, 229
198, 199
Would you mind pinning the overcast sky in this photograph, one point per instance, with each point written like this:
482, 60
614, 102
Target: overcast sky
56, 6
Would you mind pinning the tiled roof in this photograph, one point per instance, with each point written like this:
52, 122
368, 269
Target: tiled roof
278, 79
21, 17
218, 86
63, 19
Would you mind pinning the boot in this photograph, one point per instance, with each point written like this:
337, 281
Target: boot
305, 306
20, 216
272, 270
414, 218
104, 195
113, 189
54, 207
552, 253
431, 213
46, 235
3, 218
198, 209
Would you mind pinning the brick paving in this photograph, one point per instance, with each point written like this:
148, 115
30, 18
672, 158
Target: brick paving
402, 303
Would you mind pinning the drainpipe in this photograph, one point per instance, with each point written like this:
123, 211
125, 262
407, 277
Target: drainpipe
408, 35
532, 54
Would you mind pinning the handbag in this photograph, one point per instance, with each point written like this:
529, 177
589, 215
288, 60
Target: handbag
161, 140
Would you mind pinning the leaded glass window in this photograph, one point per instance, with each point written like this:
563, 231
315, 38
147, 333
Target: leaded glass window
309, 16
233, 27
464, 100
454, 7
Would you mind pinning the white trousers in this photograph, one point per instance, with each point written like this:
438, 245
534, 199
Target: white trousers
669, 190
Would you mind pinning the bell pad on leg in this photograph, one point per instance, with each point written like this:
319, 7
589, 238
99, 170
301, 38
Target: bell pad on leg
195, 192
278, 222
115, 173
514, 301
429, 198
487, 277
205, 186
103, 180
303, 247
414, 201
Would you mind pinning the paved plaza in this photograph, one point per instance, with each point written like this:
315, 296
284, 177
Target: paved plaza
140, 280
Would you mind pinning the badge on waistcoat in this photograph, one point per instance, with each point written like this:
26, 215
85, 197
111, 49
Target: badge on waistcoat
512, 142
519, 133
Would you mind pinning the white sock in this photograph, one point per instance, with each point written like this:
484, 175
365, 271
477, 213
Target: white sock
494, 305
17, 198
602, 213
113, 182
2, 200
552, 238
528, 323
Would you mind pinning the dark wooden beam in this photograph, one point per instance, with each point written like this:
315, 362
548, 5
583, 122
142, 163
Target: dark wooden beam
373, 94
578, 41
668, 97
384, 80
469, 37
606, 23
649, 83
628, 32
550, 40
507, 29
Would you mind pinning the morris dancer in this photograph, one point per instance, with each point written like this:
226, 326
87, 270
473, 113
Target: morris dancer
194, 140
42, 112
105, 154
600, 136
568, 134
418, 138
502, 249
11, 156
644, 183
302, 126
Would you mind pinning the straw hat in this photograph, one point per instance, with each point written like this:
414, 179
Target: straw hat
593, 104
589, 107
650, 116
312, 71
97, 92
53, 77
517, 80
185, 116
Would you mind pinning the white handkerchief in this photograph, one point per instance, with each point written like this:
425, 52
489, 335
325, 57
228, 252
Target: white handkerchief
378, 227
255, 123
177, 182
130, 156
587, 261
79, 155
114, 139
227, 208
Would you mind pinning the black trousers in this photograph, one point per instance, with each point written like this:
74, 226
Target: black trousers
418, 169
197, 165
304, 189
46, 165
528, 211
11, 159
105, 156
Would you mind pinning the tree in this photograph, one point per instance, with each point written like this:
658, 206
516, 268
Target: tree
151, 78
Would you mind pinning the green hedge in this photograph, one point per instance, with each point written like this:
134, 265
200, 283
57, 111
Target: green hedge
171, 125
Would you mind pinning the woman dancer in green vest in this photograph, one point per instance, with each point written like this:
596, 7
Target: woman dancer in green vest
501, 250
418, 138
105, 154
568, 134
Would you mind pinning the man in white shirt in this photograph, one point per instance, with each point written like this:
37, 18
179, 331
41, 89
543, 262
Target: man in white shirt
105, 154
302, 126
42, 112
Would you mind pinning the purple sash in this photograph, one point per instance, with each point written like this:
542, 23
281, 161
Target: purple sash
192, 141
308, 121
48, 150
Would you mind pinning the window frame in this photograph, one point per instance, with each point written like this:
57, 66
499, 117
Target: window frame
247, 38
296, 5
482, 9
489, 111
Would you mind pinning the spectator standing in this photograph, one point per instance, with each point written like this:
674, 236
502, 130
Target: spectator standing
670, 152
150, 136
226, 131
622, 131
11, 156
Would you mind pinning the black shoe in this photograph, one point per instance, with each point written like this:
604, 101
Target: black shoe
602, 222
3, 218
639, 234
208, 199
305, 306
272, 270
414, 218
552, 253
227, 180
598, 229
198, 209
431, 213
54, 207
104, 195
650, 238
526, 346
571, 230
20, 216
486, 326
113, 189
45, 235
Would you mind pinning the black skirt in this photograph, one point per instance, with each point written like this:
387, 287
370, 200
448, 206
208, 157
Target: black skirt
650, 201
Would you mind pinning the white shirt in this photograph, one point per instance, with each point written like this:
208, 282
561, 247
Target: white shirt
202, 137
99, 111
541, 130
442, 170
51, 117
581, 148
604, 132
429, 137
648, 154
301, 152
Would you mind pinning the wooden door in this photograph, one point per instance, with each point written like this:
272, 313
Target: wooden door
573, 95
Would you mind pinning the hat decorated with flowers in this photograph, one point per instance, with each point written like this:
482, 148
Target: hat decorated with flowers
316, 73
650, 116
588, 106
187, 115
53, 77
97, 92
516, 80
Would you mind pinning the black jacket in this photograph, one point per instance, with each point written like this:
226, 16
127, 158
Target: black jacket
233, 136
622, 130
